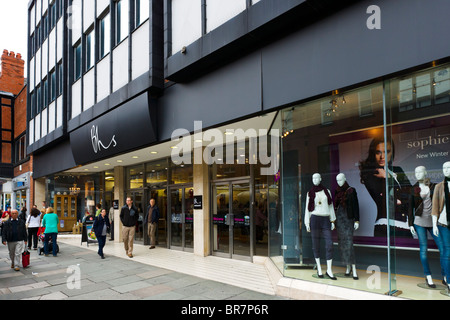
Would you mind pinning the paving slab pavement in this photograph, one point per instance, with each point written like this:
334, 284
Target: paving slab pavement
78, 273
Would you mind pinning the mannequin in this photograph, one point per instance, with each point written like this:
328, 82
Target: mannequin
346, 207
319, 220
441, 215
420, 220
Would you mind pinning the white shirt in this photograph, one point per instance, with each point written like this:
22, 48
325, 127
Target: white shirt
34, 222
321, 207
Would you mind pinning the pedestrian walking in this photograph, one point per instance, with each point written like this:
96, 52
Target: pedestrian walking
14, 234
151, 219
101, 225
129, 218
33, 223
111, 221
23, 213
50, 223
6, 214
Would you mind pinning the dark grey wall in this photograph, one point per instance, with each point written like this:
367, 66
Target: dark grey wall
226, 94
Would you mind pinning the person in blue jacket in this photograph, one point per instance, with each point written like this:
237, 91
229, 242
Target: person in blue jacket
101, 225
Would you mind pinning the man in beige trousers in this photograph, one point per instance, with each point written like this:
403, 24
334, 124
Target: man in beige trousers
129, 216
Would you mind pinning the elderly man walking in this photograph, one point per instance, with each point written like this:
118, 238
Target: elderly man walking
14, 234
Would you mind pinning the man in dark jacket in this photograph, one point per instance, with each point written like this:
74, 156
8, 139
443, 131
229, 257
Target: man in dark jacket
129, 217
14, 234
152, 218
101, 225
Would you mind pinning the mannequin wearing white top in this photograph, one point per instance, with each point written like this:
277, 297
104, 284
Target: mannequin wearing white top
319, 219
420, 219
440, 216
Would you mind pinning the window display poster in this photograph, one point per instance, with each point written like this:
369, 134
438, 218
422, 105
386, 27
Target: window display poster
421, 143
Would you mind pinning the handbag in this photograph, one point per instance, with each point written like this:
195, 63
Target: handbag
25, 258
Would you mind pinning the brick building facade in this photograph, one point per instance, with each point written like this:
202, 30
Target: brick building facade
16, 166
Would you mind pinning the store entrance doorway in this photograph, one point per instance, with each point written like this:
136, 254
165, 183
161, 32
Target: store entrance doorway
181, 206
232, 216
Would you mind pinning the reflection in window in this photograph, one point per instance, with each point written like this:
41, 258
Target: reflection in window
365, 103
77, 62
424, 89
104, 37
90, 52
142, 11
121, 20
442, 85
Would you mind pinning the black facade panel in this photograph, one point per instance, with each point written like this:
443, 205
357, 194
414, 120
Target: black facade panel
56, 159
341, 51
127, 127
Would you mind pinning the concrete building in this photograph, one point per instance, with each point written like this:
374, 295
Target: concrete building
16, 166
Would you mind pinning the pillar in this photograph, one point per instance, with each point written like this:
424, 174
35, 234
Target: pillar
202, 217
119, 191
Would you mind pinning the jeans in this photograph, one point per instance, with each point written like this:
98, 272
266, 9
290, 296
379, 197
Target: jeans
321, 226
46, 239
444, 233
423, 244
101, 244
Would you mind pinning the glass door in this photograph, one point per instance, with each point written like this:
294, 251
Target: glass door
182, 218
160, 196
232, 219
176, 217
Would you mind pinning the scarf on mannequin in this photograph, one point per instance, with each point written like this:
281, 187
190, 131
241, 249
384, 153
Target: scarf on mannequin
312, 196
341, 195
447, 200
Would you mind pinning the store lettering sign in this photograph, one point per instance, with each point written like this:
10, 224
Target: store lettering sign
120, 130
428, 141
97, 144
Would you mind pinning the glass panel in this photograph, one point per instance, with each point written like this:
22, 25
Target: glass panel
109, 181
186, 23
241, 209
339, 142
219, 12
142, 11
160, 196
419, 140
176, 220
136, 177
156, 173
189, 217
261, 211
182, 174
221, 207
